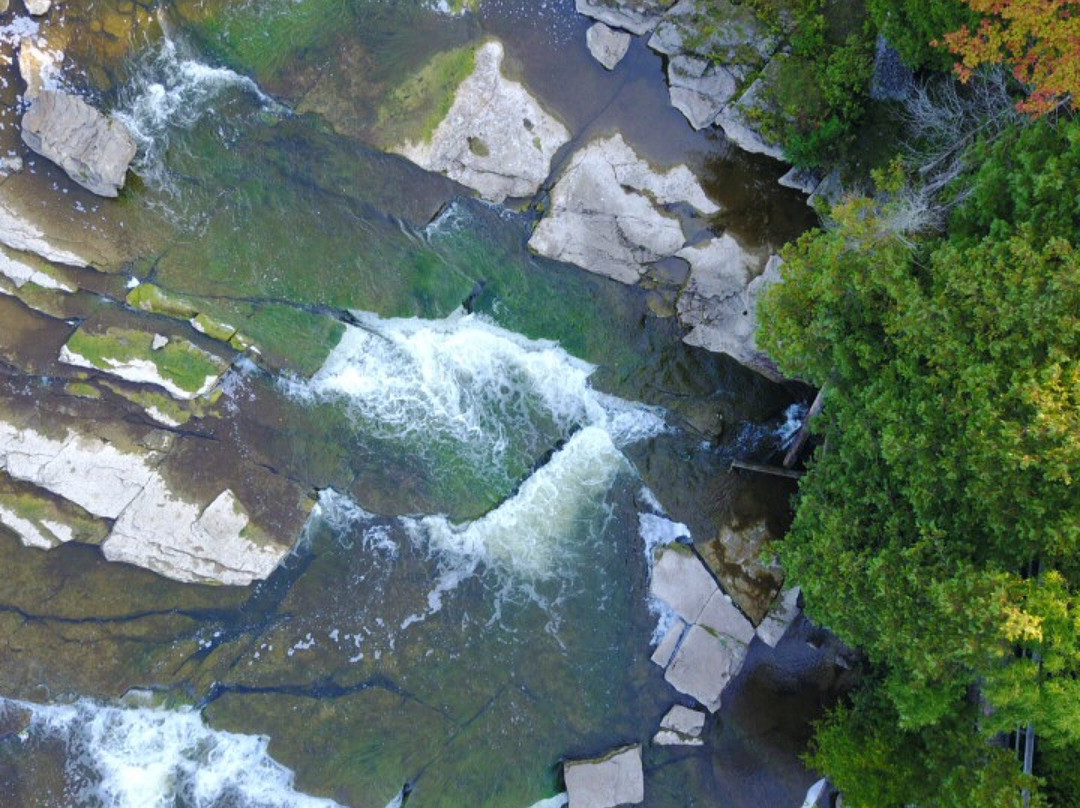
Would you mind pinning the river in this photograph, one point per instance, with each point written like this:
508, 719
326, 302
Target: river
468, 603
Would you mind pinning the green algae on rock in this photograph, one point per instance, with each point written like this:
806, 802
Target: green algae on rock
181, 368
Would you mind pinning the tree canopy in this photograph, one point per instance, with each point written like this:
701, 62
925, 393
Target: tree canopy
938, 529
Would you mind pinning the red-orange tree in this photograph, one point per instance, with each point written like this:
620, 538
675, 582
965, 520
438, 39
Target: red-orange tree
1039, 38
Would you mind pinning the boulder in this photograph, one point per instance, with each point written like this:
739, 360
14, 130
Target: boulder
701, 660
801, 179
681, 581
496, 138
719, 305
636, 16
92, 148
681, 727
705, 74
608, 47
615, 779
665, 649
699, 90
38, 7
608, 211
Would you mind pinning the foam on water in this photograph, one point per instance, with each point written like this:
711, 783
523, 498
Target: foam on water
127, 757
170, 89
497, 398
532, 534
656, 531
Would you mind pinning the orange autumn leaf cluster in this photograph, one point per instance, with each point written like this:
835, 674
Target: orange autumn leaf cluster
1039, 38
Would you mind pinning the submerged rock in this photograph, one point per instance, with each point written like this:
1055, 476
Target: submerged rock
92, 148
607, 46
496, 138
609, 214
38, 67
18, 233
615, 779
681, 727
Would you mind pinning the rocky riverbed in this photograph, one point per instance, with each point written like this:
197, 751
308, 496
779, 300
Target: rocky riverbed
392, 312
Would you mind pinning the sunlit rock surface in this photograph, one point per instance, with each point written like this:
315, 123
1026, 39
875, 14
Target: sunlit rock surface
681, 726
609, 211
496, 138
607, 46
615, 779
636, 16
93, 149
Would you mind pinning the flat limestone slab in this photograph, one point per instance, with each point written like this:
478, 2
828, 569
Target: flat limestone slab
615, 779
704, 664
681, 726
496, 138
681, 581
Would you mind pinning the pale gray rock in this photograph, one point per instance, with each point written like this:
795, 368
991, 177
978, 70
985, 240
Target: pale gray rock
615, 779
801, 179
496, 138
723, 618
699, 90
727, 322
636, 16
817, 795
38, 7
86, 470
92, 148
10, 165
38, 67
704, 664
185, 542
608, 47
29, 533
828, 192
682, 581
666, 648
779, 619
606, 215
681, 726
158, 342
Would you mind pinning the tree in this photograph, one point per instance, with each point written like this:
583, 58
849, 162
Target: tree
953, 423
1039, 38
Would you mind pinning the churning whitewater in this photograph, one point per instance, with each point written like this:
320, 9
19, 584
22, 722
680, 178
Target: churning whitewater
519, 412
142, 757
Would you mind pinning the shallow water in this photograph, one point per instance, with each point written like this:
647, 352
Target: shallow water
467, 606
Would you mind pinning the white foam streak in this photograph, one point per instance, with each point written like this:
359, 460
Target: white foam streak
156, 758
173, 90
532, 533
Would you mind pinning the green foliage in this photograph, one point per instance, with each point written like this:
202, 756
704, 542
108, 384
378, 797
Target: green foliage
820, 92
953, 421
946, 766
912, 25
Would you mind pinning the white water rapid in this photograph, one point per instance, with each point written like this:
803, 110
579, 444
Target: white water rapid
141, 757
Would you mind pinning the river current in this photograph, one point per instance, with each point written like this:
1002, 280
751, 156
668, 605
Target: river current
468, 603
